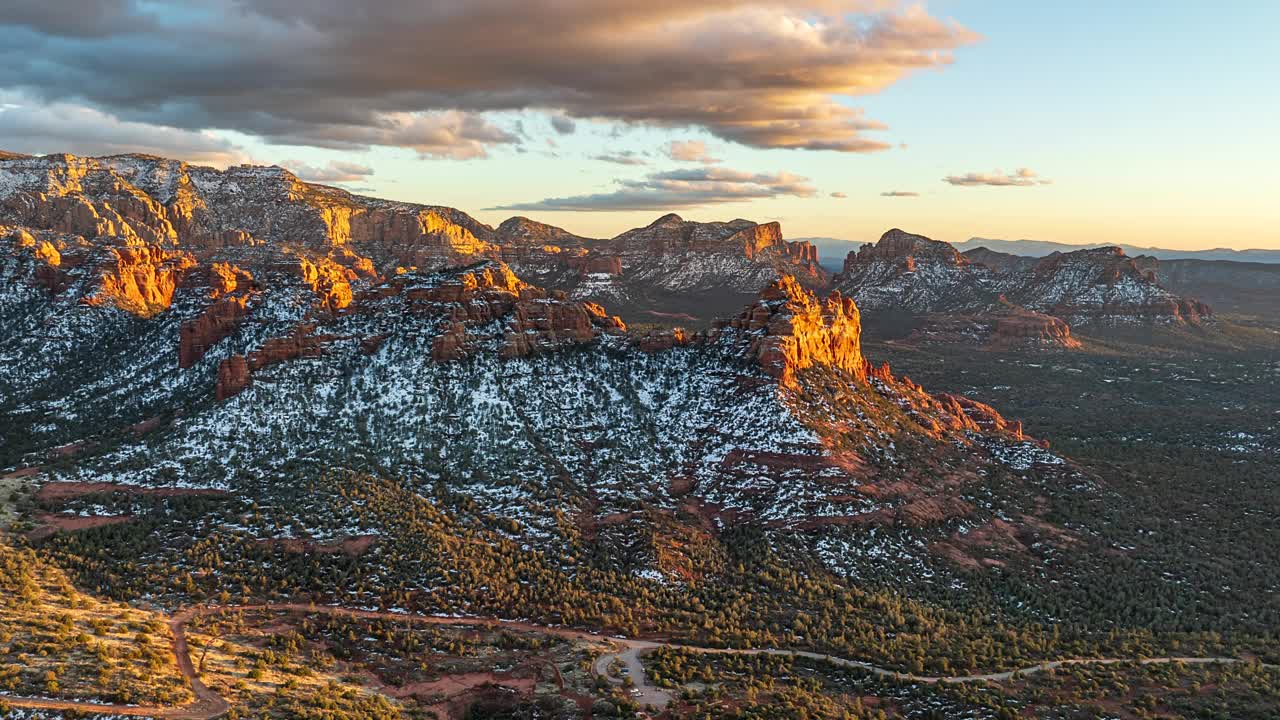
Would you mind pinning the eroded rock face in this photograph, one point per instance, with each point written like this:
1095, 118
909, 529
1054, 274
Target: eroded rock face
233, 377
146, 200
903, 247
265, 221
235, 373
661, 340
542, 324
969, 414
481, 306
140, 279
1103, 285
912, 273
793, 330
217, 322
330, 281
1016, 325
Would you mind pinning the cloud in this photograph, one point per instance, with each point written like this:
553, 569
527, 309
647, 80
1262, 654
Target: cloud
899, 193
690, 151
625, 157
1022, 178
764, 73
336, 171
675, 189
63, 127
451, 134
74, 18
839, 195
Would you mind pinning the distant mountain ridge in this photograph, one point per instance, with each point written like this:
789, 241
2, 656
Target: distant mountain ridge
832, 251
1040, 248
1103, 285
1002, 299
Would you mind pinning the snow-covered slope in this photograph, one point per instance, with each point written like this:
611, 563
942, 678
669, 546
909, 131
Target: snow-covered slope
913, 273
166, 325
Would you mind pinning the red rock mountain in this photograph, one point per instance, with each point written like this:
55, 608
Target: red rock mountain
265, 332
671, 267
1005, 300
133, 228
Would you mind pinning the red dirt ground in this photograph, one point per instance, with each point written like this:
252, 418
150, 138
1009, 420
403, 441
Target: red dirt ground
58, 491
51, 524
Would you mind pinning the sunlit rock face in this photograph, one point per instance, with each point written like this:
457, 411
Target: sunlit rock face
672, 270
795, 330
146, 200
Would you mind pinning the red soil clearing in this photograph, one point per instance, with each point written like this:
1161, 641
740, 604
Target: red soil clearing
58, 491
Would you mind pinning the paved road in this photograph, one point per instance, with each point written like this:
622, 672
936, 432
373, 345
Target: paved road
209, 704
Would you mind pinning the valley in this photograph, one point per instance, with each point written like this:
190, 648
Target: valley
350, 458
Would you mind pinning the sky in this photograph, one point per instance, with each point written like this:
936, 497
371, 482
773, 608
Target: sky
1152, 124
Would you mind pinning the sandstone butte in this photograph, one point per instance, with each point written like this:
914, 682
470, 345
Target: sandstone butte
141, 227
535, 320
785, 332
800, 331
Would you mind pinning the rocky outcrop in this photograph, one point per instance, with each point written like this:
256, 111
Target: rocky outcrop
906, 272
330, 281
140, 279
661, 340
540, 324
1101, 285
217, 322
264, 219
451, 344
904, 248
790, 330
480, 306
225, 279
802, 252
1014, 325
969, 414
594, 264
148, 200
236, 372
233, 377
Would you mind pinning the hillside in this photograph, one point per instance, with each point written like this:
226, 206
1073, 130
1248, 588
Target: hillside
236, 389
674, 271
995, 299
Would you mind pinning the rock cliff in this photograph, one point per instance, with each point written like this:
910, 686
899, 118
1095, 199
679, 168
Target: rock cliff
1005, 299
791, 329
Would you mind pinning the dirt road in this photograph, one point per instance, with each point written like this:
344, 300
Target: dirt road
209, 704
